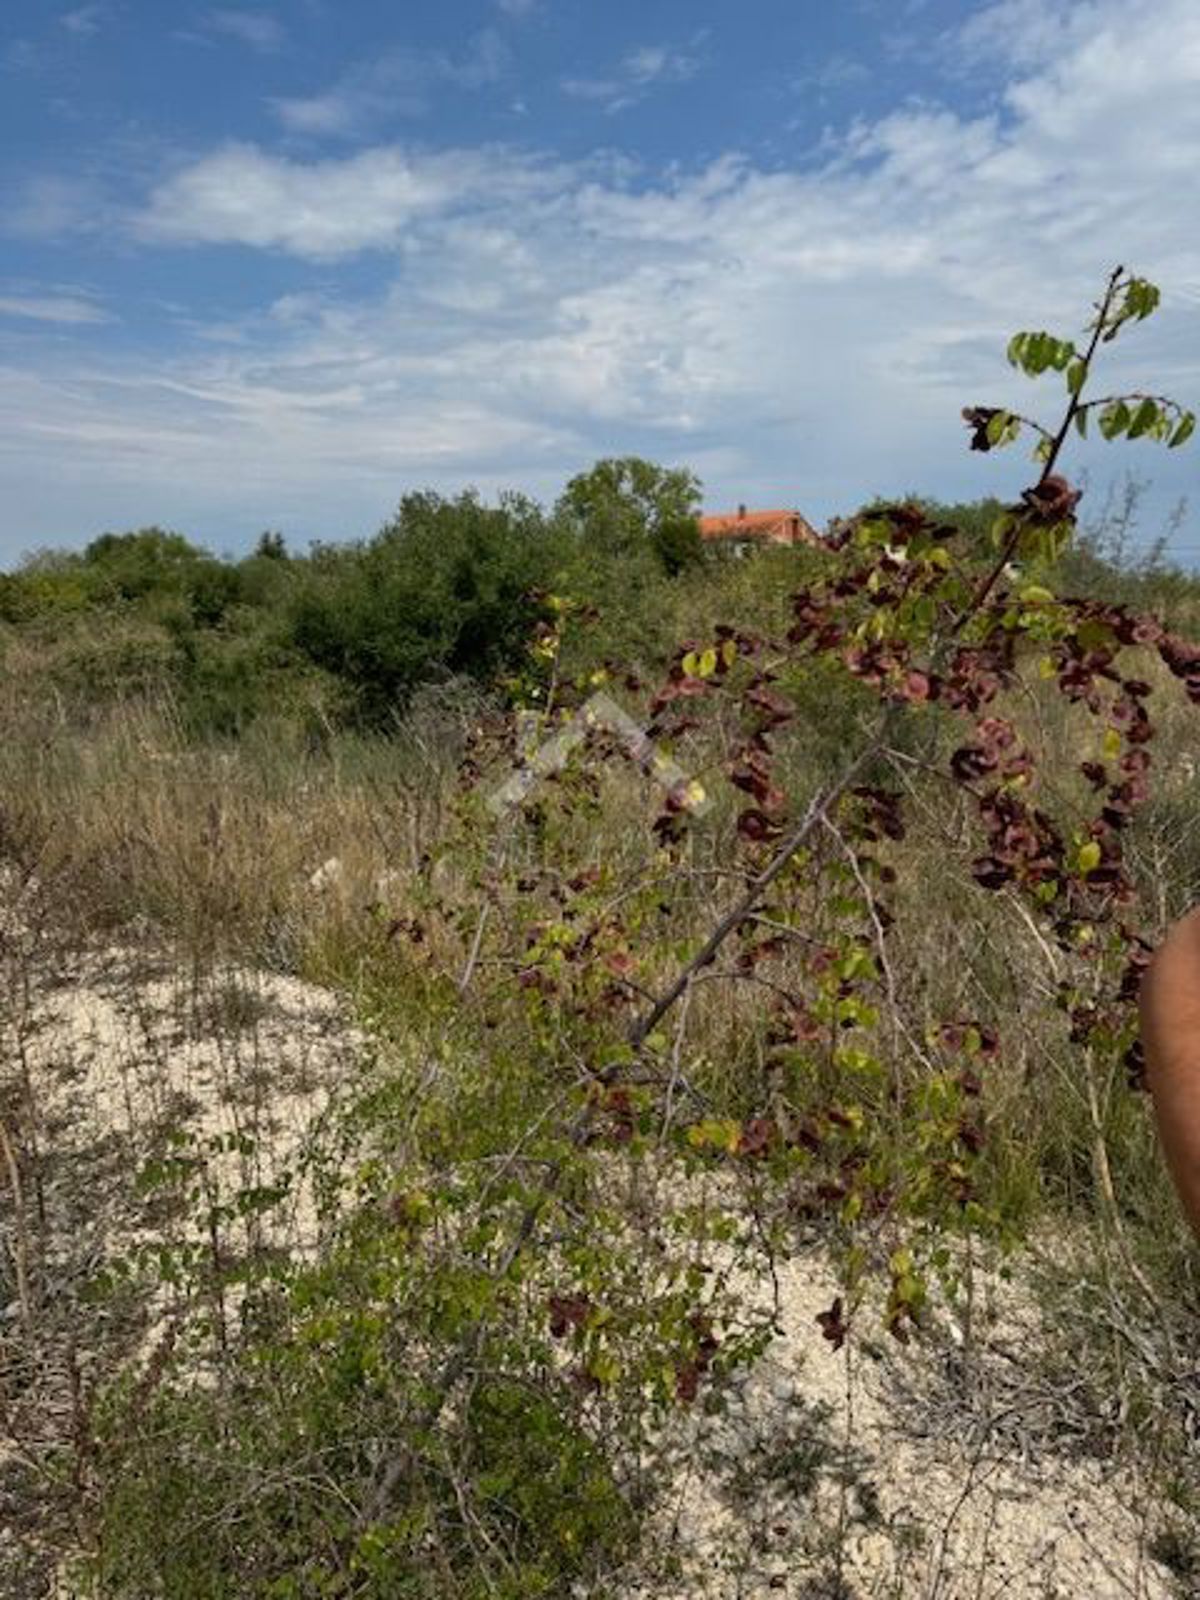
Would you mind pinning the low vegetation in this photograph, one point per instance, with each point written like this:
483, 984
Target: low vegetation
858, 989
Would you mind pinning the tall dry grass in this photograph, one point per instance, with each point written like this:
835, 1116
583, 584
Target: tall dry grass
296, 851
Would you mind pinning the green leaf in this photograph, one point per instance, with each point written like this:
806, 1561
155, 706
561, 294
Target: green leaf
1089, 856
1081, 422
1076, 373
1144, 418
715, 1133
1185, 430
605, 1368
1034, 352
1061, 352
1001, 528
1141, 298
996, 427
1094, 635
1114, 419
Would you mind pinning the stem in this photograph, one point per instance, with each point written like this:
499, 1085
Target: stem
1058, 440
816, 813
468, 1352
20, 1232
1098, 328
394, 1468
746, 906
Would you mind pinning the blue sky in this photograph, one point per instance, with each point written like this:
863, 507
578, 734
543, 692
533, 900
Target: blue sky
273, 266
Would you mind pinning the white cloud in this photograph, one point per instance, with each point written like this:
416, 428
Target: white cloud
47, 206
259, 29
400, 83
86, 20
20, 55
485, 61
1028, 34
322, 210
337, 112
591, 88
52, 308
833, 75
802, 335
644, 68
654, 63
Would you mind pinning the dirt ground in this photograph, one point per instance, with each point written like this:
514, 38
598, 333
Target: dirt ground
954, 1469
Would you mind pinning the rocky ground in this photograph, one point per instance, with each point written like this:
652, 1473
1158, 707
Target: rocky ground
960, 1468
947, 1470
111, 1062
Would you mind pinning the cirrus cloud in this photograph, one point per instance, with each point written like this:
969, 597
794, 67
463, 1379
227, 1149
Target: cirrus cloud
400, 83
261, 30
66, 309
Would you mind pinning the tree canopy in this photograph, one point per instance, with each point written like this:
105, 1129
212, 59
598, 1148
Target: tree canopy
625, 505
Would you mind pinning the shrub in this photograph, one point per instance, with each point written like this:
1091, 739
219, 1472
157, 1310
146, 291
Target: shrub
630, 1064
131, 566
447, 587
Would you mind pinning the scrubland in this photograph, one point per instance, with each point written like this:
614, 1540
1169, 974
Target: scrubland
351, 1247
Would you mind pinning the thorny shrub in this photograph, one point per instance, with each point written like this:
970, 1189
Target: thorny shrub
638, 1063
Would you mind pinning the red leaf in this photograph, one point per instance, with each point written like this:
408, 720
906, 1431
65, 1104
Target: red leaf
567, 1311
832, 1324
757, 1137
687, 1383
755, 824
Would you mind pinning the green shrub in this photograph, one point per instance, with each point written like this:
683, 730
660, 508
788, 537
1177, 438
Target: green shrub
448, 587
130, 566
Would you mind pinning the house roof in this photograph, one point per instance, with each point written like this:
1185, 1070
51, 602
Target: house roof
772, 527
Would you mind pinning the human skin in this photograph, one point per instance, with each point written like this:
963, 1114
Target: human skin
1170, 1017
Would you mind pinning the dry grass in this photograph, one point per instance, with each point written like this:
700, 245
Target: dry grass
294, 854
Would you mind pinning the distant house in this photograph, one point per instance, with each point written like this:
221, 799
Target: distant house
742, 529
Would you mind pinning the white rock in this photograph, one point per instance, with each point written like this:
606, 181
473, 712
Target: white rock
328, 875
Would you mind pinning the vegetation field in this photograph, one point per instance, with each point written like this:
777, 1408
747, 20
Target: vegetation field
719, 1165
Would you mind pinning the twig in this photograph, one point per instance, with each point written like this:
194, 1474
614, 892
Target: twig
20, 1248
748, 904
985, 588
498, 854
676, 1068
1104, 1180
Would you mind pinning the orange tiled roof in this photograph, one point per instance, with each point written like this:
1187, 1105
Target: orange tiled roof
772, 527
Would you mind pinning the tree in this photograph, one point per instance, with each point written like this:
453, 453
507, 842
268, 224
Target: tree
271, 546
626, 505
449, 586
129, 566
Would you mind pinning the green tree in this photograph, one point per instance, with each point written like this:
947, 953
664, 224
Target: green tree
148, 561
448, 586
626, 505
271, 546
